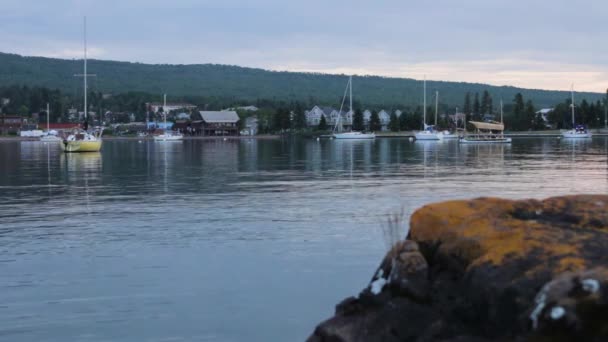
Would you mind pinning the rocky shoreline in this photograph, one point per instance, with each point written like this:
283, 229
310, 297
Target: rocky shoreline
488, 269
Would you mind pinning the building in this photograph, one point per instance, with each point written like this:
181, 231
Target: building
313, 117
544, 113
11, 124
219, 122
171, 106
385, 118
251, 126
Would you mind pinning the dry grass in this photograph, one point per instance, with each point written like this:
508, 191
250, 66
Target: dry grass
395, 228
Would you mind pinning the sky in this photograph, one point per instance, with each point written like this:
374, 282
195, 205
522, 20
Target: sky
532, 44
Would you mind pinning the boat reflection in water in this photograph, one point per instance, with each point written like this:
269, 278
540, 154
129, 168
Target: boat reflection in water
77, 163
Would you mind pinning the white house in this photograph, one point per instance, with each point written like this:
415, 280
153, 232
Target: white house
156, 106
313, 116
398, 113
545, 115
367, 114
385, 118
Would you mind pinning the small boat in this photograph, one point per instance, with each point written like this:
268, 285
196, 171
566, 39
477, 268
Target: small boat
167, 135
82, 140
490, 132
354, 135
448, 135
429, 132
49, 136
577, 131
337, 131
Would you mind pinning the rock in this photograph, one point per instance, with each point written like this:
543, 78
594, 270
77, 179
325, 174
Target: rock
488, 269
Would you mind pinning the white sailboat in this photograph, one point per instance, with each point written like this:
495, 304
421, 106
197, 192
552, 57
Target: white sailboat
82, 140
49, 136
444, 134
487, 132
429, 132
338, 134
167, 135
577, 131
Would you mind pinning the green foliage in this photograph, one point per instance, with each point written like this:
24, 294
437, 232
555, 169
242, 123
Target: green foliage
467, 104
358, 122
322, 124
394, 122
486, 103
224, 85
299, 117
374, 122
476, 115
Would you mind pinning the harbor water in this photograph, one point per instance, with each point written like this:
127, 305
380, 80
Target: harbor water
236, 240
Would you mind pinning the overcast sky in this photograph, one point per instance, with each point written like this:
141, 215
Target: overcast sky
536, 44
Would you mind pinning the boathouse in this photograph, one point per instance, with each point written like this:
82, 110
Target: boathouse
219, 122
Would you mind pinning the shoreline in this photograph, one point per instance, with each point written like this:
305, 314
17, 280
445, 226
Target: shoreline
241, 137
405, 134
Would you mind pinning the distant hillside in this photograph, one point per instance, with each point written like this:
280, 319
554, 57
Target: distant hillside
238, 83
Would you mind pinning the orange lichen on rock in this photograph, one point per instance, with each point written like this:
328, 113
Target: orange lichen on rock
488, 269
496, 230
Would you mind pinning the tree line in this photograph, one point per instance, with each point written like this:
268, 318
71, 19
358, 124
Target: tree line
276, 115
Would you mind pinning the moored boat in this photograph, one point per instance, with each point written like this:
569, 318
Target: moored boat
337, 131
577, 131
83, 141
491, 132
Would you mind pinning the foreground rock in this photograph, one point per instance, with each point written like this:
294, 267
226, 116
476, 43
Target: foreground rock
488, 270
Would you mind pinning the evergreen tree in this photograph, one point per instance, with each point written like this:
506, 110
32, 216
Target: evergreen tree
403, 121
374, 122
322, 123
282, 120
467, 104
519, 122
358, 124
486, 103
531, 117
299, 117
476, 108
394, 122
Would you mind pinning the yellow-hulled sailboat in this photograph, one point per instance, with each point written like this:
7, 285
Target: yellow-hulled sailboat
83, 141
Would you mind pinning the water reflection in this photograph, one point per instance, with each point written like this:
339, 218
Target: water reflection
102, 243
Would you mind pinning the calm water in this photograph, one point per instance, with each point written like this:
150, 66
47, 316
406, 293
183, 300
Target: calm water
231, 240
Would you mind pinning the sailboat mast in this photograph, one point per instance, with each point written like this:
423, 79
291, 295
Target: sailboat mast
500, 110
572, 94
350, 94
85, 69
424, 105
436, 105
47, 118
164, 109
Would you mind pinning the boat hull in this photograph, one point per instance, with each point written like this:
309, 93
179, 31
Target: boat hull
50, 138
428, 136
485, 141
80, 146
575, 135
163, 137
354, 135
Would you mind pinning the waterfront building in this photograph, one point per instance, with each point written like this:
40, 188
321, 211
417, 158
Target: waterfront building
154, 107
219, 123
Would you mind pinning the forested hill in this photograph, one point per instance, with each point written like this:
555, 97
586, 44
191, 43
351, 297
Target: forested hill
249, 84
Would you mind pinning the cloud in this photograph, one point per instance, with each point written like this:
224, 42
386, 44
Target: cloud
535, 44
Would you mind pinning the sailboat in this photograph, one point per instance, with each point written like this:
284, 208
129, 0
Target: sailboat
577, 131
487, 132
338, 134
48, 137
429, 132
82, 140
444, 134
167, 135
